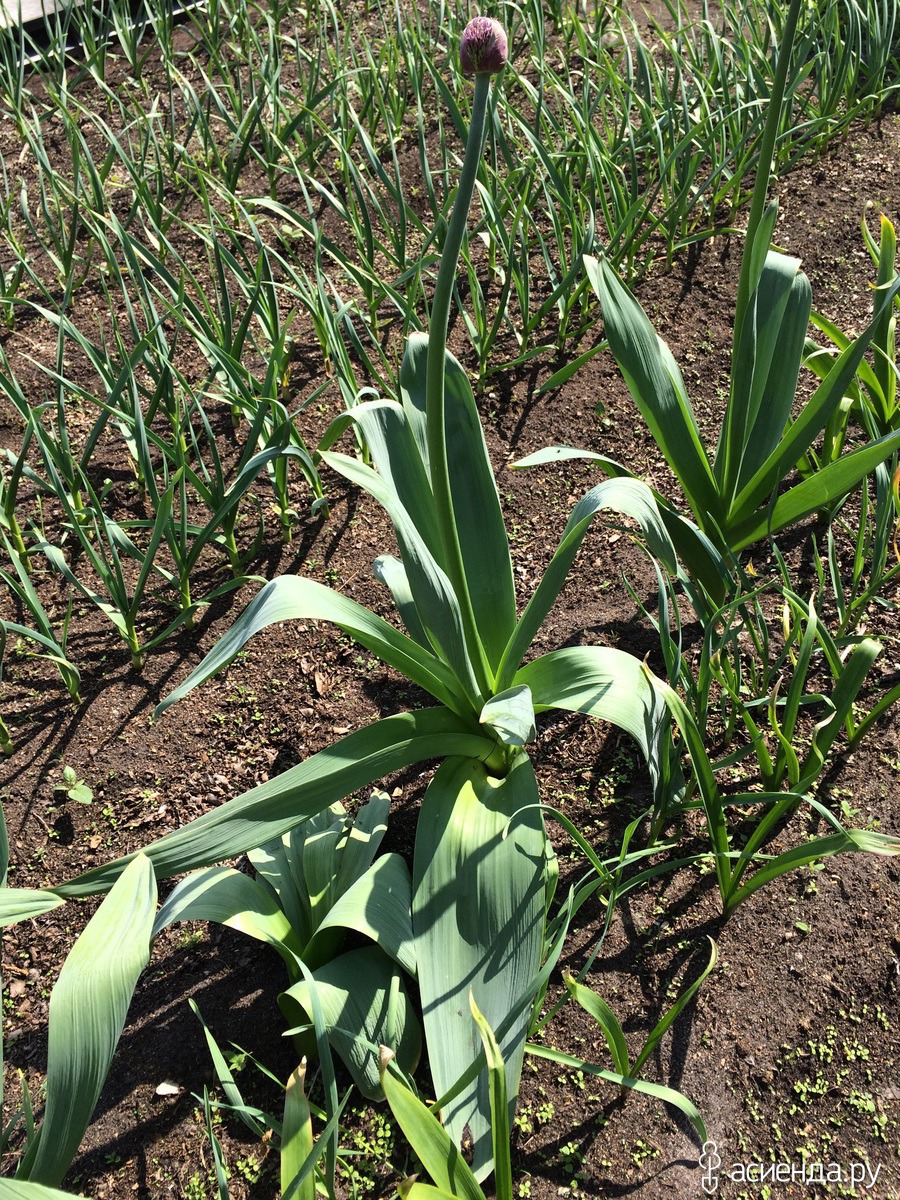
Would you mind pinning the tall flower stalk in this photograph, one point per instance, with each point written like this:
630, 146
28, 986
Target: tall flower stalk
483, 51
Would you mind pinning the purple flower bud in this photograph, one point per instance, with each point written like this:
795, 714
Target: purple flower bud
483, 49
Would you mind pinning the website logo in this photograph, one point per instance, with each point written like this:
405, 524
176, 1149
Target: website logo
710, 1162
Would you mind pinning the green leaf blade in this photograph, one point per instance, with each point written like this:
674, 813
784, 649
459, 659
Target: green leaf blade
87, 1014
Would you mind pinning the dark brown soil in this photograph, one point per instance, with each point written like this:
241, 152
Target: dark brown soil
791, 1050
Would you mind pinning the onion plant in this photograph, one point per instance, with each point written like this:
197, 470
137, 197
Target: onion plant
872, 394
876, 557
735, 494
481, 850
40, 629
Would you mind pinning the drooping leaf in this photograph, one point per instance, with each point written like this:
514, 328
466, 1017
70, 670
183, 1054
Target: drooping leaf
703, 561
659, 1091
629, 497
269, 810
377, 905
23, 1189
614, 686
291, 597
21, 904
436, 602
229, 897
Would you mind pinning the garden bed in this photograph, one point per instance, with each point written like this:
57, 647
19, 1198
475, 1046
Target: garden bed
791, 1050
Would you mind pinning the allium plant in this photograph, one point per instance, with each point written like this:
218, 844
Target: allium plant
481, 855
735, 492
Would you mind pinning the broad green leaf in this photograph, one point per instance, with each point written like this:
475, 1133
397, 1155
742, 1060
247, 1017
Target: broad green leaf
817, 491
476, 505
362, 838
478, 912
269, 810
510, 715
291, 597
411, 1189
398, 461
435, 600
390, 571
88, 1006
296, 1137
365, 1004
772, 412
21, 904
377, 905
629, 497
614, 686
500, 1126
800, 436
765, 372
231, 898
655, 382
22, 1189
437, 1151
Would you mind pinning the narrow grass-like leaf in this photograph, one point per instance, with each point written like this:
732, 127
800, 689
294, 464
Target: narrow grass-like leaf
659, 1092
439, 1154
296, 1137
225, 1077
670, 1016
597, 1007
500, 1129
